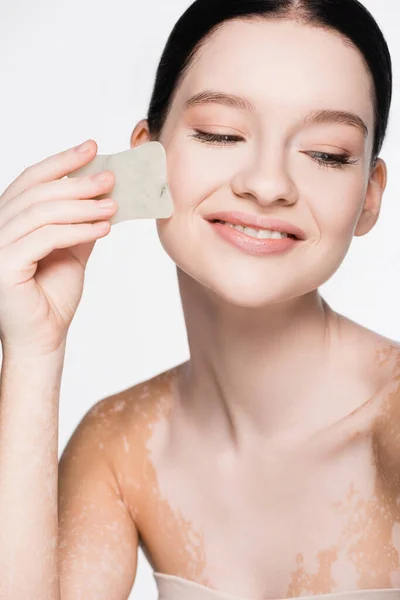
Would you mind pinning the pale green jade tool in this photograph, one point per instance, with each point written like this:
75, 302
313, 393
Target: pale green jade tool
141, 189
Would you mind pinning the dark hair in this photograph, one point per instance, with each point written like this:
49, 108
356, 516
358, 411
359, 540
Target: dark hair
195, 27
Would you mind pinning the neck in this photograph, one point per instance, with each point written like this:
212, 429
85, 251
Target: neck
258, 371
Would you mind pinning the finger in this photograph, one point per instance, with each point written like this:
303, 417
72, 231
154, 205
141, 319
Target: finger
77, 187
41, 214
40, 243
82, 252
49, 169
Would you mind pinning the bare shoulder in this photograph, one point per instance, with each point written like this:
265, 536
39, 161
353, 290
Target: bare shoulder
374, 357
386, 422
380, 368
129, 424
136, 406
105, 476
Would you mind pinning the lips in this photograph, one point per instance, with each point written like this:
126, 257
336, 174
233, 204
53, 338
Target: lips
247, 220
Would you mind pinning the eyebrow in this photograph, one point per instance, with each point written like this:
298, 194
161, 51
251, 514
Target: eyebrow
241, 103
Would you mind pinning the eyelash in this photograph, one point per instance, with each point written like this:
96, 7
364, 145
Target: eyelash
336, 161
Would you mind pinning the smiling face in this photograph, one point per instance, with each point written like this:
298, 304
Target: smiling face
271, 167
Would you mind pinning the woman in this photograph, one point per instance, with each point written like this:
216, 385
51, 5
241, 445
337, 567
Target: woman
267, 465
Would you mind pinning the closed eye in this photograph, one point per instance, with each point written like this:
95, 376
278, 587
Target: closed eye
333, 160
221, 139
322, 158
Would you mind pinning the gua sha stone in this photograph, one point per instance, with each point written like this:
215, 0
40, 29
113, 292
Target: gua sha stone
141, 188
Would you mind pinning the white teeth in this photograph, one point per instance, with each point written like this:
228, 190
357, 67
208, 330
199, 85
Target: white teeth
259, 233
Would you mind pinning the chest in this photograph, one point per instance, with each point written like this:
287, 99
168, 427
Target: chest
299, 523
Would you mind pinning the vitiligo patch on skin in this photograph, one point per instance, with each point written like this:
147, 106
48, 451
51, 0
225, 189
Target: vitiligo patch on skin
141, 189
322, 518
339, 532
161, 527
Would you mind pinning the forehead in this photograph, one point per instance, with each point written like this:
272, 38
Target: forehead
283, 64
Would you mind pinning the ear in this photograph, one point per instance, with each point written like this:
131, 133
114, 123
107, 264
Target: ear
373, 199
140, 134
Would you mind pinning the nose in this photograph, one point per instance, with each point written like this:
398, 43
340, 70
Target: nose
265, 178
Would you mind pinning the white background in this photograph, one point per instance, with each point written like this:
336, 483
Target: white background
82, 69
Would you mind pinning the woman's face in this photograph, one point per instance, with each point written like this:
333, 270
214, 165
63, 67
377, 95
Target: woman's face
270, 168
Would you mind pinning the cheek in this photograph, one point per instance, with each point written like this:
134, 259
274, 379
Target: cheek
335, 212
185, 179
195, 172
336, 208
188, 189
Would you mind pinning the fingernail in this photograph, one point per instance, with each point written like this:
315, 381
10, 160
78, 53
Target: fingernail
84, 147
106, 203
102, 176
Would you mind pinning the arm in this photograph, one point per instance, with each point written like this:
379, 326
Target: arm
98, 539
29, 399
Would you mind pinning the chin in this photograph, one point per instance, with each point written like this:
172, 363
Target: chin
240, 286
242, 280
256, 294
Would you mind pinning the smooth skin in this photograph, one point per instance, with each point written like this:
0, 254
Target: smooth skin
266, 466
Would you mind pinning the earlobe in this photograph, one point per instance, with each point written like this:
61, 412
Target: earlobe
141, 134
373, 199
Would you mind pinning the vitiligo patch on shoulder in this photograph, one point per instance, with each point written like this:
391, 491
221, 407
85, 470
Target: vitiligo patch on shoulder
141, 188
